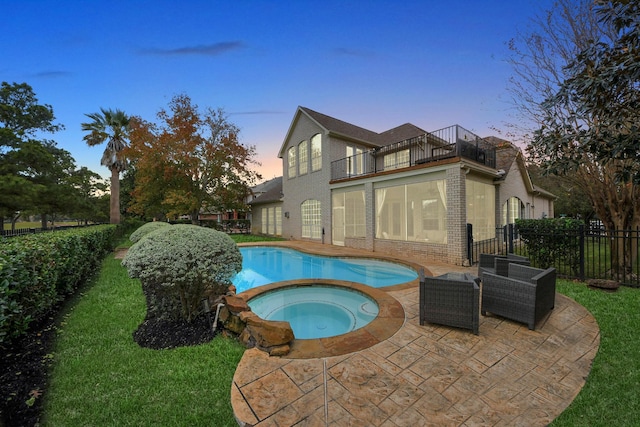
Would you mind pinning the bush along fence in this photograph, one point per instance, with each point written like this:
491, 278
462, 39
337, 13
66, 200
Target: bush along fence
37, 271
23, 231
575, 250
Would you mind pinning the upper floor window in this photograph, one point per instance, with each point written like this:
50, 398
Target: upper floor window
303, 157
399, 159
355, 156
292, 162
316, 152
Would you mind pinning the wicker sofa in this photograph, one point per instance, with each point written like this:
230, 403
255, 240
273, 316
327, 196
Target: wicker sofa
525, 295
452, 299
499, 264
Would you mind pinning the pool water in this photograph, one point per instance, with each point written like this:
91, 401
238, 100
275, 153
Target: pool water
262, 265
316, 311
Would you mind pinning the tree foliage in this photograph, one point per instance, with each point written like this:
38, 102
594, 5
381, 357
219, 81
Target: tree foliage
602, 94
111, 127
26, 162
191, 161
587, 116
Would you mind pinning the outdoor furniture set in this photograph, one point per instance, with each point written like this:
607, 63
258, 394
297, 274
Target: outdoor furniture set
511, 288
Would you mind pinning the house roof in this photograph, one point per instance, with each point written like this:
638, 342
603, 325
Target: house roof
268, 192
351, 132
508, 154
400, 133
341, 128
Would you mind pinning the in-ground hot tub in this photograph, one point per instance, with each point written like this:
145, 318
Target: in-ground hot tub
317, 311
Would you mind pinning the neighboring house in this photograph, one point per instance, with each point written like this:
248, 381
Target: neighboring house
404, 191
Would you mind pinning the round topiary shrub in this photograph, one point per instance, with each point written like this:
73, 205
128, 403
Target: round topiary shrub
179, 265
145, 229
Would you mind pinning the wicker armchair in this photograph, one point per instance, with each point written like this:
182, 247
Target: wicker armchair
499, 264
452, 299
526, 295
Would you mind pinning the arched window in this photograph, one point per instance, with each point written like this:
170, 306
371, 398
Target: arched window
511, 210
311, 219
303, 157
316, 152
292, 162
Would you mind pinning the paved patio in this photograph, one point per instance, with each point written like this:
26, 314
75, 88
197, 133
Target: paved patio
426, 375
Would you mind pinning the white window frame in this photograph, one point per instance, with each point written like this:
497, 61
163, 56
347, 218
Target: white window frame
316, 152
303, 157
311, 215
291, 158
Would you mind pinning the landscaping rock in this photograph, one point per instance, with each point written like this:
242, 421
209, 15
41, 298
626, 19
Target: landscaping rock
606, 285
236, 304
269, 333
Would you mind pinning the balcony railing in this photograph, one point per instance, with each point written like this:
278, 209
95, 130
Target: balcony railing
453, 141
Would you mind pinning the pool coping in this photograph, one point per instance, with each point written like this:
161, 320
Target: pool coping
390, 318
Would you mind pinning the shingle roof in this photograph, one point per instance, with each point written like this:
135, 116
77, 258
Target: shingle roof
400, 133
271, 192
342, 128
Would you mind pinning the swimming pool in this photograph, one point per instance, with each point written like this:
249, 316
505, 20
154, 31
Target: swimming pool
316, 311
262, 265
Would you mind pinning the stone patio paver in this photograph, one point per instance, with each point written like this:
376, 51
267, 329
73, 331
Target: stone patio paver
427, 375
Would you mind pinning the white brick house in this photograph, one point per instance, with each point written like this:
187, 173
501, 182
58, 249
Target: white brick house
403, 191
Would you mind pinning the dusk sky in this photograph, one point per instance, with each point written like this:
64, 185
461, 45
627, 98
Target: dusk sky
375, 64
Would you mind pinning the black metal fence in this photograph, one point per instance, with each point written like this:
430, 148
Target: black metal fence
585, 253
25, 231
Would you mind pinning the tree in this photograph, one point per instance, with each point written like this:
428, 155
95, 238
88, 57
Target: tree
88, 187
190, 162
23, 157
588, 118
112, 127
572, 199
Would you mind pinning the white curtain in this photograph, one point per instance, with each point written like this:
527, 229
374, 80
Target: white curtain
442, 189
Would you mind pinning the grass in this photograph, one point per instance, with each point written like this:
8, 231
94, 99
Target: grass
610, 396
250, 238
101, 377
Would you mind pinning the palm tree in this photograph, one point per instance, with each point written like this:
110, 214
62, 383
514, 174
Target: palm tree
112, 127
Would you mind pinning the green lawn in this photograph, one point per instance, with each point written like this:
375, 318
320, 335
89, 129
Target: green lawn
610, 396
102, 377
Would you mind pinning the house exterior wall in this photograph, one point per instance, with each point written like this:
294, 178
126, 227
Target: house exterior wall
314, 185
513, 185
317, 185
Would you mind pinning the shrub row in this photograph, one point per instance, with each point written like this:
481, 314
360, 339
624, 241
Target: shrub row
551, 239
37, 271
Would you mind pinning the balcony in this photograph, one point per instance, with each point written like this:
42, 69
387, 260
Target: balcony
450, 142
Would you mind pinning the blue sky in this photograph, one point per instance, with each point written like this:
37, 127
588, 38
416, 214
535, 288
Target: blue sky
376, 64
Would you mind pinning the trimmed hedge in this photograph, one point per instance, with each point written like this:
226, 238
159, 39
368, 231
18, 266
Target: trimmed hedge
39, 270
178, 265
146, 229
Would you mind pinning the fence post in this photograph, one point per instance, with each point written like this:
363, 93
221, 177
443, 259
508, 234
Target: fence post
510, 243
470, 243
581, 230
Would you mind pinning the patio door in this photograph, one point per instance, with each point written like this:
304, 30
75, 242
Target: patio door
337, 228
